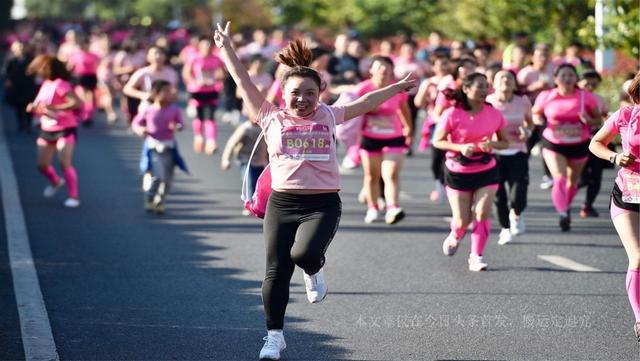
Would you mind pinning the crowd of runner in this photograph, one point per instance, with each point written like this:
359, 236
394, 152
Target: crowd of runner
480, 113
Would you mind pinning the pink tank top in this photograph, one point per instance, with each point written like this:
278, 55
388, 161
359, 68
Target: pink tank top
84, 63
302, 151
203, 69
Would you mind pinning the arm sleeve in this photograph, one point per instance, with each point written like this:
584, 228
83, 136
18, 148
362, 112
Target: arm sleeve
611, 124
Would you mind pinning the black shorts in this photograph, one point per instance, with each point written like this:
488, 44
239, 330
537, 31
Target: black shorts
571, 151
204, 96
54, 136
616, 198
87, 81
377, 145
470, 181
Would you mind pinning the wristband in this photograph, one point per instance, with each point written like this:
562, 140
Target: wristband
612, 159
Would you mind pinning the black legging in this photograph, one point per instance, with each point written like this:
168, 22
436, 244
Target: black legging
437, 164
298, 230
513, 171
591, 177
535, 138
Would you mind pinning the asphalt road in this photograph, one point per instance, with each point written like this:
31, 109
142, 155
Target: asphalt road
120, 284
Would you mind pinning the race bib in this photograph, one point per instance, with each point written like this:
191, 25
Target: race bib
380, 125
568, 133
307, 142
48, 122
630, 186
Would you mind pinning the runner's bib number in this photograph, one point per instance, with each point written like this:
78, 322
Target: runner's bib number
380, 125
568, 133
312, 142
630, 187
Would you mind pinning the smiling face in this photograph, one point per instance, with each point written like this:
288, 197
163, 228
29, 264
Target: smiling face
381, 71
301, 95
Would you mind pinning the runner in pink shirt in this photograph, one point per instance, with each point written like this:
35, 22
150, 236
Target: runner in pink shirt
126, 61
386, 134
570, 113
625, 196
84, 67
203, 74
55, 105
68, 47
469, 132
157, 124
304, 209
139, 85
513, 162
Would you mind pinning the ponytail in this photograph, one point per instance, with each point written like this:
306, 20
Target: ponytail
458, 96
298, 57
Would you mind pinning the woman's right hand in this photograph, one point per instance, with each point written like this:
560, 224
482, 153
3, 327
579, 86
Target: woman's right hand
625, 159
467, 149
221, 36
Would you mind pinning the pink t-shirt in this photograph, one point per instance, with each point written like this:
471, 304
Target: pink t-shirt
84, 63
384, 122
160, 122
54, 92
514, 113
302, 151
464, 128
625, 121
563, 123
529, 75
203, 69
276, 91
441, 100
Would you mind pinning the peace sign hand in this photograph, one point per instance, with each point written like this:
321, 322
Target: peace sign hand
407, 83
221, 36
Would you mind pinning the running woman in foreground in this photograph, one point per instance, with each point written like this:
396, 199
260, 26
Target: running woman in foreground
513, 162
469, 133
304, 209
570, 113
55, 105
625, 196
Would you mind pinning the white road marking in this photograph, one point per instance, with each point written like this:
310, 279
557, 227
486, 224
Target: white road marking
35, 328
568, 263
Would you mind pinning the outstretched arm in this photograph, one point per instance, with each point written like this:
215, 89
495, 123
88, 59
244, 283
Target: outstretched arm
250, 93
371, 101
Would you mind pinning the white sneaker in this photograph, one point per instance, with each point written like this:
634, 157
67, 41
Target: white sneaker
147, 180
382, 204
546, 183
348, 163
394, 215
505, 236
72, 203
316, 286
274, 344
516, 224
476, 263
450, 245
50, 191
372, 216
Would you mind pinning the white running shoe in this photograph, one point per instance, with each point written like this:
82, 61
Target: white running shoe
72, 203
516, 224
476, 263
546, 183
382, 204
394, 215
450, 245
372, 216
505, 236
315, 285
50, 191
348, 163
274, 344
147, 180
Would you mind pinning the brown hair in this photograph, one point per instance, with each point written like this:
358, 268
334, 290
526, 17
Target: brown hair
298, 57
634, 89
49, 67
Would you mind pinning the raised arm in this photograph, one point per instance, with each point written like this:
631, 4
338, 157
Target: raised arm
250, 93
372, 100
